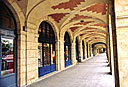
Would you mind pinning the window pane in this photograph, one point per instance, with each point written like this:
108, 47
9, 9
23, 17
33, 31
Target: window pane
40, 59
7, 64
52, 55
46, 54
67, 53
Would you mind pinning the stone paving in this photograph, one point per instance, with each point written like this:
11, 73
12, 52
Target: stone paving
92, 73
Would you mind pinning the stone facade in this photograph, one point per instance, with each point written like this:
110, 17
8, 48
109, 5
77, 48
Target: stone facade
91, 21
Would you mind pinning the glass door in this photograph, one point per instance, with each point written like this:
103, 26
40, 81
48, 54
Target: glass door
53, 59
7, 60
7, 64
87, 49
46, 58
67, 54
83, 49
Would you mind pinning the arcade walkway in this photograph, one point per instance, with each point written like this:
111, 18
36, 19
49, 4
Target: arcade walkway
92, 73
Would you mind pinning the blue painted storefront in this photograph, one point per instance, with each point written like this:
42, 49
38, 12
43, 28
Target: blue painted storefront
8, 80
46, 69
46, 38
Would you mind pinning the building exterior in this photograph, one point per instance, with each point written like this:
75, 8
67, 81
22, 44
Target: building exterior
38, 37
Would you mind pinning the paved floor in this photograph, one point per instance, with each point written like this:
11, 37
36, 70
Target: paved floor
92, 73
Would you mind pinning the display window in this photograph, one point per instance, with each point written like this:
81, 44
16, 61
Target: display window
67, 50
7, 64
46, 49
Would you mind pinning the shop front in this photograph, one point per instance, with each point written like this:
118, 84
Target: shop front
67, 50
46, 49
8, 46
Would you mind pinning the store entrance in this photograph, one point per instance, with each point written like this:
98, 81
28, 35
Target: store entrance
8, 47
46, 49
47, 62
67, 50
7, 58
77, 50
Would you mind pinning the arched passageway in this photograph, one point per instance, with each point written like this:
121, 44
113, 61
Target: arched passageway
35, 55
46, 49
8, 47
67, 49
94, 74
77, 50
83, 49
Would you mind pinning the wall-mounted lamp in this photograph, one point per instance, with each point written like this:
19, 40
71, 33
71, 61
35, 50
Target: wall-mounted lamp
81, 21
24, 28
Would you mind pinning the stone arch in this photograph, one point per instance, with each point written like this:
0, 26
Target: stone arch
63, 33
17, 13
52, 23
19, 21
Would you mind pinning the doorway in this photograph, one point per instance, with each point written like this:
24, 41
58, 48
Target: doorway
67, 50
83, 48
8, 48
46, 49
77, 50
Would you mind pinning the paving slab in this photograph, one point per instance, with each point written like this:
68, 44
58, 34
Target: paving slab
92, 73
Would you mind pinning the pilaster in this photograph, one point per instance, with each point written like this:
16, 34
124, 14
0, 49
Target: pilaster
73, 53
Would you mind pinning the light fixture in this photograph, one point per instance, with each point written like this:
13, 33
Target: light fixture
81, 21
24, 28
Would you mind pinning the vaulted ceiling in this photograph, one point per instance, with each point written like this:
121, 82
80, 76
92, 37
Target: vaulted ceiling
84, 18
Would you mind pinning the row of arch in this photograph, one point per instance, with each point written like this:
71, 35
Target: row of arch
41, 49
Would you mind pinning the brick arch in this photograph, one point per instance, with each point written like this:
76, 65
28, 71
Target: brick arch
88, 27
98, 30
87, 20
52, 23
91, 31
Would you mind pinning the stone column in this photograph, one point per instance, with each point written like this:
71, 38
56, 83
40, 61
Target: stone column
118, 36
88, 50
31, 55
85, 51
21, 59
61, 54
27, 56
111, 45
80, 51
73, 53
91, 52
120, 41
57, 55
95, 51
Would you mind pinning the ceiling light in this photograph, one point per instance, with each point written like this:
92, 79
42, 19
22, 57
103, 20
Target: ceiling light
82, 21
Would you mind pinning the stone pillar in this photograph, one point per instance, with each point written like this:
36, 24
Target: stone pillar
80, 51
61, 54
94, 51
27, 56
31, 55
111, 45
118, 36
120, 41
21, 59
85, 50
57, 55
73, 53
88, 50
91, 52
108, 51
